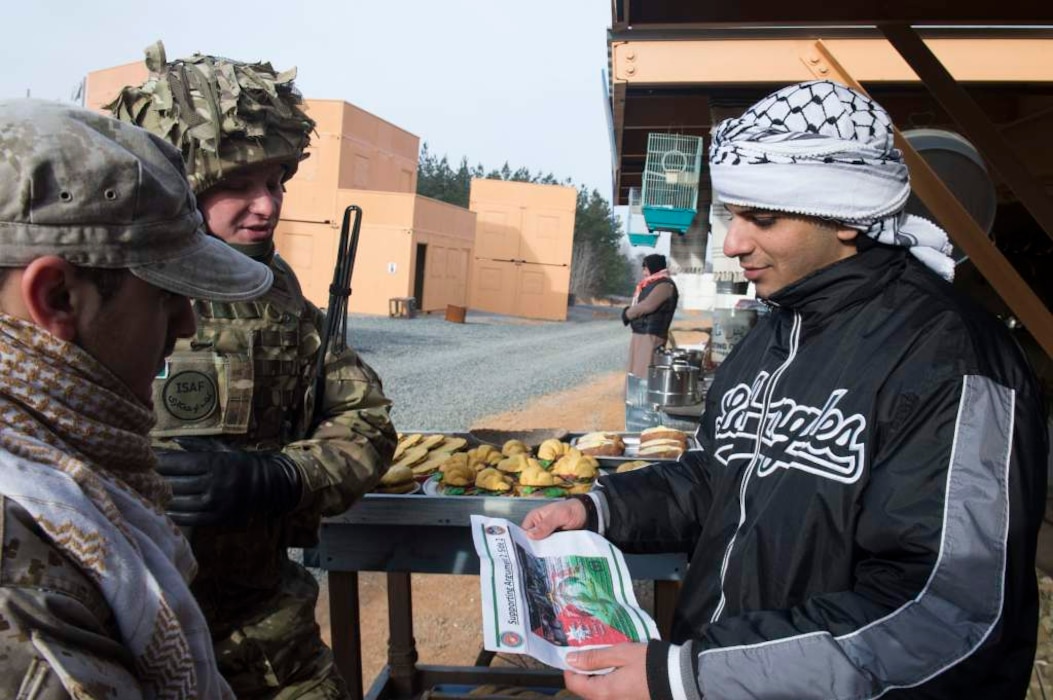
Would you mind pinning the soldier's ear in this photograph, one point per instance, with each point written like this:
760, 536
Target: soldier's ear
53, 296
847, 235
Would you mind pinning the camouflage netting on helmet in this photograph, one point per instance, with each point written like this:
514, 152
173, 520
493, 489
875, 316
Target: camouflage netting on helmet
222, 114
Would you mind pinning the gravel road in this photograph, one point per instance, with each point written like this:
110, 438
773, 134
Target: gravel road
444, 376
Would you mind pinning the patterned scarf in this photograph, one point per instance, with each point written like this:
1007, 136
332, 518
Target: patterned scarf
75, 454
824, 150
646, 281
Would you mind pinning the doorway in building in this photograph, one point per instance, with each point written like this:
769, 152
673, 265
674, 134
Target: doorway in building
418, 277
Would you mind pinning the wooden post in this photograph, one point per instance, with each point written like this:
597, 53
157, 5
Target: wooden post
344, 629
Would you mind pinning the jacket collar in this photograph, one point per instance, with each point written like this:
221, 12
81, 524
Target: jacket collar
843, 284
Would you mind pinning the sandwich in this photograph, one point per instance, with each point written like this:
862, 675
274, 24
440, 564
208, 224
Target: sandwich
660, 432
660, 449
578, 472
491, 482
537, 482
397, 479
601, 445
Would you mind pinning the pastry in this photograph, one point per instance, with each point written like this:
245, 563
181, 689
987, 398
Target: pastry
452, 444
552, 450
492, 480
405, 443
517, 463
431, 464
457, 474
514, 447
580, 468
397, 479
414, 455
631, 466
432, 441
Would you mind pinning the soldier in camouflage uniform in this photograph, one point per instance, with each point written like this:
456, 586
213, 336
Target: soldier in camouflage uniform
252, 469
101, 247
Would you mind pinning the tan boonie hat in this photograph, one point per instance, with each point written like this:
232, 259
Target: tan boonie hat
222, 114
101, 193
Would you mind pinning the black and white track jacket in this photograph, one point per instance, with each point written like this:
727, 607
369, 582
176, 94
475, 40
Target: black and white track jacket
861, 521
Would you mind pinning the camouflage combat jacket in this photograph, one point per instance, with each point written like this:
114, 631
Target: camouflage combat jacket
246, 381
55, 624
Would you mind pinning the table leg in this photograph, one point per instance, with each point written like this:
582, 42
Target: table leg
344, 629
402, 647
665, 595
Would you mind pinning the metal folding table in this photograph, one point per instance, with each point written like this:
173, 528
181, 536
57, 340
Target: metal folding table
408, 534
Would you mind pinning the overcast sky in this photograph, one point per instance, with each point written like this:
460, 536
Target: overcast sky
492, 80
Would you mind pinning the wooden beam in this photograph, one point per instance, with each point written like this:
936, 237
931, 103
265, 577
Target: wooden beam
774, 61
959, 224
973, 122
640, 13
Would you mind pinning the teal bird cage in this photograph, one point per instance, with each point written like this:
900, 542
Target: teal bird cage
670, 182
637, 229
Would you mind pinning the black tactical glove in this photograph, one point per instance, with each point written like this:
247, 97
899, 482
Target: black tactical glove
225, 488
625, 316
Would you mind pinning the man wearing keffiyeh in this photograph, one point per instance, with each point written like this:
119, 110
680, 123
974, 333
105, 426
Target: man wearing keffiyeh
862, 518
101, 245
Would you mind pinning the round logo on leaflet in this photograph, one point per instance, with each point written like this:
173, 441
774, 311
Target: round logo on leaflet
511, 639
190, 395
495, 530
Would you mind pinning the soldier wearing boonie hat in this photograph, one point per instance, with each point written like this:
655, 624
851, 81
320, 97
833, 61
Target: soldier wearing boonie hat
100, 244
252, 467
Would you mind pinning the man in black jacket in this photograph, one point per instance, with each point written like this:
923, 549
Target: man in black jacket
862, 518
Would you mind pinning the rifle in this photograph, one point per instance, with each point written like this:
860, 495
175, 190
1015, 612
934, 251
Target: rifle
334, 331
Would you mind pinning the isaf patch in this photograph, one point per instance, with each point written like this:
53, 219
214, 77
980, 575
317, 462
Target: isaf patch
190, 395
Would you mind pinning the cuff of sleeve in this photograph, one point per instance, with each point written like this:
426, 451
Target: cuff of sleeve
657, 670
591, 515
671, 671
603, 517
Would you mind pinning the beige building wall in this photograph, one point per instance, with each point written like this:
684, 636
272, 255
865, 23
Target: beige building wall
102, 86
352, 150
401, 234
523, 243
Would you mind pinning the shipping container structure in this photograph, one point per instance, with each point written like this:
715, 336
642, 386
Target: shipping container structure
523, 242
410, 246
981, 70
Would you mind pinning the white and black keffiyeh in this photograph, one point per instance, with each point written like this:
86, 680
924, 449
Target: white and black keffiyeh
855, 175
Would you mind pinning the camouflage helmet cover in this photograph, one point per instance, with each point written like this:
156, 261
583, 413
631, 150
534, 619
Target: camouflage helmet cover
222, 114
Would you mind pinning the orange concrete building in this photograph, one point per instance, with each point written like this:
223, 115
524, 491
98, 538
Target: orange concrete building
523, 242
410, 246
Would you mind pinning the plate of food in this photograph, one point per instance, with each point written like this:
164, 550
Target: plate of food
554, 470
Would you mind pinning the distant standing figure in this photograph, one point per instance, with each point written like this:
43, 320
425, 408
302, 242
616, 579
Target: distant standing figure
650, 313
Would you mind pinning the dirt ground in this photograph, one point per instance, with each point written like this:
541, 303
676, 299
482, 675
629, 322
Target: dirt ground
454, 637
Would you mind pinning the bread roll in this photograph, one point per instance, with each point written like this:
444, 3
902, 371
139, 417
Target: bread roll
660, 432
660, 449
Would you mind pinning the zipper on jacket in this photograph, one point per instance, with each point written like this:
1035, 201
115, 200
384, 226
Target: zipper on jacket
795, 335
